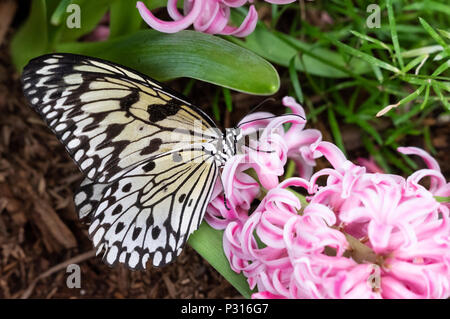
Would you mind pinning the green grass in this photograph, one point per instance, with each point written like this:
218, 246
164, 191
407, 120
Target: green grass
345, 72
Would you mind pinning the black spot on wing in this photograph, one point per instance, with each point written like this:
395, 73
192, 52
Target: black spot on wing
117, 210
126, 188
129, 100
152, 147
119, 227
136, 233
159, 112
155, 232
149, 222
149, 166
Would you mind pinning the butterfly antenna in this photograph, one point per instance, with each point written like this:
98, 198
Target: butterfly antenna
258, 150
225, 201
271, 117
257, 107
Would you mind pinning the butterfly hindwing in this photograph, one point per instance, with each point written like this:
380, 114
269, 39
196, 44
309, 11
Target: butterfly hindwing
87, 197
109, 117
150, 211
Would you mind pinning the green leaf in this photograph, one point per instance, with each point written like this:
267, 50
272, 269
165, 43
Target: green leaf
125, 18
444, 33
413, 111
364, 56
402, 130
91, 12
394, 34
406, 99
441, 96
369, 129
300, 197
208, 243
290, 169
419, 60
279, 48
58, 15
425, 99
188, 87
379, 43
395, 160
428, 6
442, 199
228, 100
294, 80
215, 106
434, 34
427, 140
169, 56
375, 153
334, 126
320, 56
154, 4
422, 51
377, 72
444, 66
31, 40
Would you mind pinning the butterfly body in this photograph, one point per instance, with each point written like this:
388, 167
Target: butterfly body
151, 159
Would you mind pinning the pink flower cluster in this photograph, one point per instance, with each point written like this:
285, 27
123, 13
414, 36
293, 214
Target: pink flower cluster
209, 16
361, 234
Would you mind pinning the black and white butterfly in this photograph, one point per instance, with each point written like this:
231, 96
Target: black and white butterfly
151, 159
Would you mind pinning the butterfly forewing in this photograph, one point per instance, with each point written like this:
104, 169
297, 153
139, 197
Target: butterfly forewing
148, 155
108, 117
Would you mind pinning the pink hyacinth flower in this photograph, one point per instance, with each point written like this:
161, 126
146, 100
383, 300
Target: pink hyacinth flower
405, 228
438, 184
369, 164
240, 188
209, 16
362, 235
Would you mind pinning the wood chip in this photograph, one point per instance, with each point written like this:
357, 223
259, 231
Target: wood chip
53, 230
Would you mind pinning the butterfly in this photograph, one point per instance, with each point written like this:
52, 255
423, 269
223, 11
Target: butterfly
150, 158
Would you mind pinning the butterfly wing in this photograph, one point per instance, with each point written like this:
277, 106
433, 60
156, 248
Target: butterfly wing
110, 117
87, 196
150, 210
148, 183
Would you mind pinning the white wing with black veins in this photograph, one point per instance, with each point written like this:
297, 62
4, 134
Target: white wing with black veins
109, 117
147, 186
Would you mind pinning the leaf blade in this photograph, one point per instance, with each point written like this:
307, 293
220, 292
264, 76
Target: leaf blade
169, 56
208, 243
34, 28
